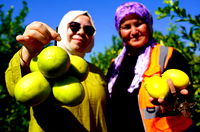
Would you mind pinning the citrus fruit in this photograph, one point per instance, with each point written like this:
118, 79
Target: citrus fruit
53, 62
32, 89
179, 78
33, 64
157, 87
68, 91
79, 67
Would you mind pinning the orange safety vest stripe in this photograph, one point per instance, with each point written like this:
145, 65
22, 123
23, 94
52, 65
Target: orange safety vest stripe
149, 112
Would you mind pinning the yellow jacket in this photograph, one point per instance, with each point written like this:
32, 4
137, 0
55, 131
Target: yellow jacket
51, 116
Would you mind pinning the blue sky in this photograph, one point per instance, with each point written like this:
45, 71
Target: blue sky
102, 11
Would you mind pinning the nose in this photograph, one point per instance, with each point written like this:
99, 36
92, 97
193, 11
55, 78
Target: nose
134, 30
80, 31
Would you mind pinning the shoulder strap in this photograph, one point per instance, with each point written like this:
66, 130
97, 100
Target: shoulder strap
162, 57
165, 54
158, 60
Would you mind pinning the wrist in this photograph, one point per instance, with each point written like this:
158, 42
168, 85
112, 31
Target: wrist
24, 61
26, 56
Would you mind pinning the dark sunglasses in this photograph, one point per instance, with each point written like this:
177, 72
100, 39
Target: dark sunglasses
75, 27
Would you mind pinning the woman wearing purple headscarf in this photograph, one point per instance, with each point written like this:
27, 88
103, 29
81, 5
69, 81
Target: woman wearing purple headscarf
131, 107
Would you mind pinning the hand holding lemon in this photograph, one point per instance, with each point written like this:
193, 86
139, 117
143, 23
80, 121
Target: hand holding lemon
53, 66
159, 87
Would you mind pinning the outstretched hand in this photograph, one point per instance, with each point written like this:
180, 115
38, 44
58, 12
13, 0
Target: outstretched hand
169, 101
36, 36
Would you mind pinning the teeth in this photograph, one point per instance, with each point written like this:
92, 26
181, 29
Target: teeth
134, 39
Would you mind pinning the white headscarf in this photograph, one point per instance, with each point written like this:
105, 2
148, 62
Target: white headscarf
62, 30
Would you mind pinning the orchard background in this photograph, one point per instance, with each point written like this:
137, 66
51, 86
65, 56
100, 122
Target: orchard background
14, 116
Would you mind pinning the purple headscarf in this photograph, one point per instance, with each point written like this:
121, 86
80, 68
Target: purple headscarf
133, 8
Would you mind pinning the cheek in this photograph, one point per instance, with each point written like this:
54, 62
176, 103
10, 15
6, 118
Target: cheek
124, 34
88, 42
69, 35
144, 30
147, 35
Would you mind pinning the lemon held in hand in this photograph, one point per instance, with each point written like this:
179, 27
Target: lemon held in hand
33, 64
68, 91
156, 87
53, 62
32, 89
179, 78
79, 67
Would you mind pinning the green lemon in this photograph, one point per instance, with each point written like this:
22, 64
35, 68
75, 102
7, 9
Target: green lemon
32, 89
68, 91
79, 67
33, 64
53, 62
156, 87
179, 78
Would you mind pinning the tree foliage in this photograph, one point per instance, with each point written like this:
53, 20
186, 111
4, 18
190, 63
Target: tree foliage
13, 115
183, 34
187, 40
103, 60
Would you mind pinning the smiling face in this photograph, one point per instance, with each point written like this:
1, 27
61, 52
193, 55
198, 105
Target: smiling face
79, 40
134, 32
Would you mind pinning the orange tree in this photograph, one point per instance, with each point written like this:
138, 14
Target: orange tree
187, 41
13, 115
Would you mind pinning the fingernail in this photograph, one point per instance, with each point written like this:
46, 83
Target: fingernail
58, 38
26, 37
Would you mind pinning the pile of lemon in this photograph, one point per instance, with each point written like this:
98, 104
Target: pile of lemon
53, 71
158, 87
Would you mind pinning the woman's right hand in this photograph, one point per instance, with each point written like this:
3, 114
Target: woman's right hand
168, 103
34, 38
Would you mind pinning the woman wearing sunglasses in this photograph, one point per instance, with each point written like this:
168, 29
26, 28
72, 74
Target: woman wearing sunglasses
76, 36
